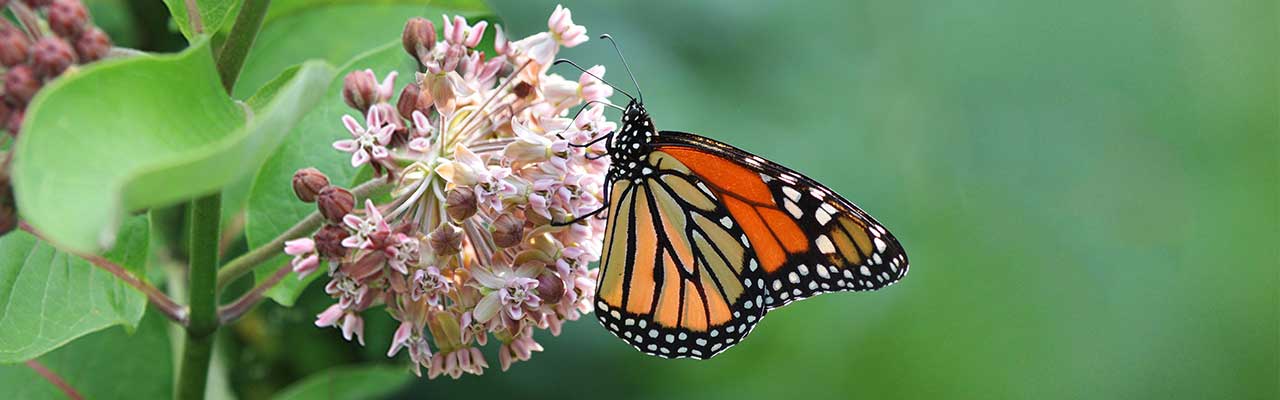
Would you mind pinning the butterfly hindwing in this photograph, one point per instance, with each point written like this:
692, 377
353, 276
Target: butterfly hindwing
678, 278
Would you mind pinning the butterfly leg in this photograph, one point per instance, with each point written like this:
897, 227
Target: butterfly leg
581, 218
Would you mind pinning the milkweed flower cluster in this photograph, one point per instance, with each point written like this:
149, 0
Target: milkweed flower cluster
479, 152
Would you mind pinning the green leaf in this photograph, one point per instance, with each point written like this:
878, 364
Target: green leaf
305, 29
149, 131
112, 364
48, 298
366, 382
273, 207
214, 15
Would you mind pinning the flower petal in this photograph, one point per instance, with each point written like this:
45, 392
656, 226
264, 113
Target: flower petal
487, 308
359, 158
346, 145
352, 125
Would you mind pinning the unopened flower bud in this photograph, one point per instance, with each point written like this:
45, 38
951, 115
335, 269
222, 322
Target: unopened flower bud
334, 203
20, 84
508, 230
419, 37
460, 203
308, 182
446, 240
50, 56
67, 18
550, 287
13, 45
329, 242
408, 101
92, 45
360, 90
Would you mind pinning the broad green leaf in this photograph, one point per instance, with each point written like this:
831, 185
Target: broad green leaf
48, 298
148, 131
334, 31
111, 364
235, 196
364, 382
273, 207
214, 15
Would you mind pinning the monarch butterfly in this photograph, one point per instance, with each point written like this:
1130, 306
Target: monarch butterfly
703, 239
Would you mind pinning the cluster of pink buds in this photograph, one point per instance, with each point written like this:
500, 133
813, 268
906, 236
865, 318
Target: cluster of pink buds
471, 244
33, 53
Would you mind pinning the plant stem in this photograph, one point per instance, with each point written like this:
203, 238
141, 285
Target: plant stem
248, 261
240, 40
53, 378
233, 311
161, 301
202, 275
197, 351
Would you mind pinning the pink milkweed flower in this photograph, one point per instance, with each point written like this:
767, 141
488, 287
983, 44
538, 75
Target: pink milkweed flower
353, 325
592, 89
403, 252
564, 30
411, 338
473, 330
512, 291
532, 147
468, 360
365, 228
457, 31
423, 131
430, 284
330, 316
541, 47
500, 43
299, 247
305, 259
386, 88
518, 349
349, 322
368, 142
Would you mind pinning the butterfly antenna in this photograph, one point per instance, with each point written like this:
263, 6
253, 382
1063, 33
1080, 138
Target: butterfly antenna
565, 61
624, 65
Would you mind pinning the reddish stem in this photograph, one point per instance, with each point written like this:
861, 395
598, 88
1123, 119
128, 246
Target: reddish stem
242, 305
56, 380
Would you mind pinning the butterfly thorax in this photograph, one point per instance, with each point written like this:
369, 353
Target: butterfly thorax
629, 148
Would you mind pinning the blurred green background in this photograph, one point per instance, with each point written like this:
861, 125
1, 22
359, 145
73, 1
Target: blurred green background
1088, 192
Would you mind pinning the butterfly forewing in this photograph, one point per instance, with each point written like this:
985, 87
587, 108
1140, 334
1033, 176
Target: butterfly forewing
810, 240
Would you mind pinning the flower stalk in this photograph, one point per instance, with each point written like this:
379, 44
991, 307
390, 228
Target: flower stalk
248, 261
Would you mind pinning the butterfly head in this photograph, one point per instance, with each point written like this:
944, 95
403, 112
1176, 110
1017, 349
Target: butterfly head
629, 148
